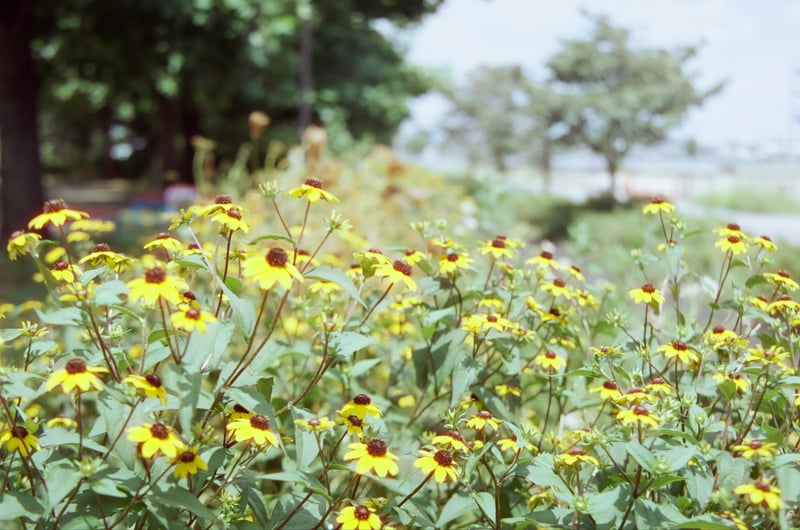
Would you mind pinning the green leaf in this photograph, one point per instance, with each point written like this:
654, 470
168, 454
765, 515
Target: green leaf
364, 366
108, 293
107, 487
308, 515
664, 480
338, 277
264, 387
705, 522
60, 480
15, 505
485, 502
274, 237
182, 498
455, 508
346, 343
642, 456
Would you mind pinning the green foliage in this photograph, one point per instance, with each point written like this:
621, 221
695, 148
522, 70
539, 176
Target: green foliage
465, 383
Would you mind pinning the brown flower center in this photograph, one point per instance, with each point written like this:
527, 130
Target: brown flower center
657, 381
187, 457
718, 329
60, 266
498, 243
546, 255
610, 385
314, 183
101, 247
452, 257
491, 318
640, 411
75, 366
54, 205
193, 314
734, 226
635, 390
223, 199
558, 282
679, 345
576, 451
189, 295
153, 380
361, 513
783, 274
313, 422
155, 275
734, 239
484, 414
277, 257
18, 431
401, 266
160, 431
376, 447
550, 355
657, 200
259, 422
755, 444
362, 399
354, 420
766, 238
240, 409
648, 288
763, 486
235, 214
443, 458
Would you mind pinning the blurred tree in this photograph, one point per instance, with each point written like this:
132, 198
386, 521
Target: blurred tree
128, 79
20, 166
624, 96
499, 113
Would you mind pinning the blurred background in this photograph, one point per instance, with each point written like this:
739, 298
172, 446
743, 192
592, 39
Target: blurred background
109, 103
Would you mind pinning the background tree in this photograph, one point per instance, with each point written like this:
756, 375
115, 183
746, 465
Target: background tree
20, 166
624, 96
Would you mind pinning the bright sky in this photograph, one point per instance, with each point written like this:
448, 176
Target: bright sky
754, 44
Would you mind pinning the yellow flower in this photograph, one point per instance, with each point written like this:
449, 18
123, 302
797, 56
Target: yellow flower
155, 284
165, 241
659, 386
355, 425
57, 213
733, 244
635, 396
738, 379
222, 203
731, 229
646, 294
737, 523
359, 518
575, 456
767, 356
61, 422
603, 351
658, 206
102, 254
271, 269
452, 439
783, 303
316, 424
372, 456
255, 428
313, 190
231, 219
451, 261
719, 337
483, 418
608, 390
64, 272
76, 374
558, 287
544, 261
756, 449
678, 349
440, 463
765, 242
22, 243
638, 415
188, 462
504, 390
782, 279
360, 405
397, 272
192, 318
150, 384
155, 438
761, 493
20, 439
497, 248
550, 361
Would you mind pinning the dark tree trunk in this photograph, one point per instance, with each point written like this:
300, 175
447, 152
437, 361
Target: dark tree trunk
22, 192
170, 162
191, 125
612, 168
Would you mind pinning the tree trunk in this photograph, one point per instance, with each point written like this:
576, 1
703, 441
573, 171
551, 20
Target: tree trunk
22, 192
612, 167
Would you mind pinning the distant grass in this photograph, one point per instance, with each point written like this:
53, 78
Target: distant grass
751, 199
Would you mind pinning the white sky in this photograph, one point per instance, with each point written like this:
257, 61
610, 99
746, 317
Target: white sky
754, 44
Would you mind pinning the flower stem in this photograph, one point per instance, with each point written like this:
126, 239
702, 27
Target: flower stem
415, 490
